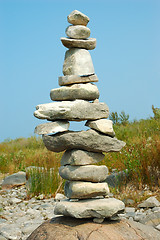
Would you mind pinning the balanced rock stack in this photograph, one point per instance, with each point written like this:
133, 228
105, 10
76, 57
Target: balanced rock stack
77, 100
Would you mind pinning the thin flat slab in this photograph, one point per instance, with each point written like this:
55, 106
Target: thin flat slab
77, 157
78, 62
77, 110
72, 79
77, 18
102, 125
89, 140
88, 44
83, 190
86, 91
89, 173
52, 127
90, 208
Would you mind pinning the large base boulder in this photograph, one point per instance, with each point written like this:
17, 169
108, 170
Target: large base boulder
67, 228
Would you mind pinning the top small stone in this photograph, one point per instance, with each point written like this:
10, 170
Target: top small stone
77, 18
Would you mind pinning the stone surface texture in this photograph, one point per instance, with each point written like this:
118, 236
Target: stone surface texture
78, 62
79, 157
88, 44
14, 180
150, 202
79, 229
82, 190
102, 125
78, 32
77, 18
89, 140
77, 110
98, 208
86, 91
89, 173
52, 127
72, 79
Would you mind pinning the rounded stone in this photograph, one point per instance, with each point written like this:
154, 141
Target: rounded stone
78, 32
77, 18
84, 190
91, 173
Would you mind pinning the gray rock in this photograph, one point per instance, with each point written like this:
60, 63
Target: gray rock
128, 201
88, 44
86, 91
156, 209
77, 110
89, 140
150, 203
11, 232
98, 220
29, 229
158, 227
117, 179
52, 127
59, 197
129, 209
82, 190
102, 125
72, 79
77, 18
14, 200
89, 173
16, 179
2, 238
152, 219
78, 62
90, 208
78, 32
80, 157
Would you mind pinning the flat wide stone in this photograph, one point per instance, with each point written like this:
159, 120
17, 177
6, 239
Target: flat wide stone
77, 110
82, 190
78, 62
77, 18
78, 32
89, 140
79, 157
88, 44
90, 208
72, 79
102, 125
90, 173
86, 91
52, 127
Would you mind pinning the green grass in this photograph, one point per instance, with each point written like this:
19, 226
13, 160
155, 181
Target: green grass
141, 156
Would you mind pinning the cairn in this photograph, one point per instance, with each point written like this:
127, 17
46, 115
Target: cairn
77, 100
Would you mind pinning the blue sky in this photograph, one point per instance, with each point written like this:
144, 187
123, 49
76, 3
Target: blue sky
126, 59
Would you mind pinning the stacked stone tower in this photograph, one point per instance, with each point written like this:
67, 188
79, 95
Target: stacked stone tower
77, 100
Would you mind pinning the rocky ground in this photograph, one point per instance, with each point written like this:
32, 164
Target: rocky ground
19, 217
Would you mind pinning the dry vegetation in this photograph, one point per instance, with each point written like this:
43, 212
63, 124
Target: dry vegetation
141, 156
